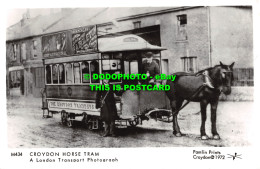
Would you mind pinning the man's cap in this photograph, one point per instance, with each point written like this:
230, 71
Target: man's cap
149, 54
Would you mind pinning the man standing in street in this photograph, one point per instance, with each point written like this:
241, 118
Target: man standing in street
106, 101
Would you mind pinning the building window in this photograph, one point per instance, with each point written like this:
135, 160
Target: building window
243, 77
137, 24
165, 66
15, 79
23, 51
182, 20
181, 27
34, 45
189, 64
15, 46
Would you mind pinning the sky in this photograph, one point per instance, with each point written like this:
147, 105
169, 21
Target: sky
16, 8
15, 15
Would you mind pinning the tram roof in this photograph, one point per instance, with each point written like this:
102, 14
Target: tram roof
125, 43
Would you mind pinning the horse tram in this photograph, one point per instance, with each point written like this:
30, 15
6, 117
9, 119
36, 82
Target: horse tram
78, 52
71, 55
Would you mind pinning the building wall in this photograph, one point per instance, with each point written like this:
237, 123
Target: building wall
37, 69
10, 54
33, 64
30, 63
232, 36
197, 38
12, 62
197, 33
38, 50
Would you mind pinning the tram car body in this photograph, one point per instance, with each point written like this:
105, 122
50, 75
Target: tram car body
69, 93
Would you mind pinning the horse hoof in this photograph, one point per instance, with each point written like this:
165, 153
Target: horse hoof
216, 137
204, 137
178, 134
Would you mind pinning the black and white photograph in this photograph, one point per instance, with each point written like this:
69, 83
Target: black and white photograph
93, 79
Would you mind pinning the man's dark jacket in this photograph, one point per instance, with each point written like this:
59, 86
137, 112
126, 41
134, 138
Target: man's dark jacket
108, 109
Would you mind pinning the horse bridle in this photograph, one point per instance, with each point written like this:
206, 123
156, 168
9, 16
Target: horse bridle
209, 81
225, 72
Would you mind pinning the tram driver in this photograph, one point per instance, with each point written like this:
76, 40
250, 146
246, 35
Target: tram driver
150, 68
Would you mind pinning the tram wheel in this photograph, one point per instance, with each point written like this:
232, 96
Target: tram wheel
85, 119
70, 123
90, 126
133, 123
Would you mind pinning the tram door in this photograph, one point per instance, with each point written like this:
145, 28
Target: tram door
130, 99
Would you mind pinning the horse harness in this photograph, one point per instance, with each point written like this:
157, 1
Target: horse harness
207, 82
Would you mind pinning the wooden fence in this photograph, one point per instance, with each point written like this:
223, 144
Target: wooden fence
243, 77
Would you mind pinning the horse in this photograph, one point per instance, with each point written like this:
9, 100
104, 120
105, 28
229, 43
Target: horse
205, 87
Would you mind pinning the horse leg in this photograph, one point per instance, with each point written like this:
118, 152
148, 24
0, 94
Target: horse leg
203, 107
176, 104
214, 105
173, 106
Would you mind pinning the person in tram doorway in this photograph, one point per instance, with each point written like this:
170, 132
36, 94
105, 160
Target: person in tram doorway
150, 68
106, 101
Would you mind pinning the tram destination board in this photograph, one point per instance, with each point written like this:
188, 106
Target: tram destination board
71, 105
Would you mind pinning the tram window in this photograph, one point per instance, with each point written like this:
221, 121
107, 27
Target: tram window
76, 73
105, 65
131, 67
61, 74
105, 56
126, 65
69, 76
116, 80
85, 70
113, 64
94, 68
117, 55
55, 74
48, 74
134, 67
131, 62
